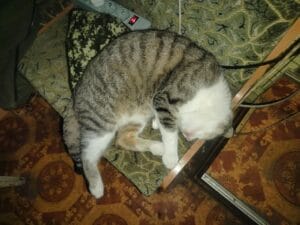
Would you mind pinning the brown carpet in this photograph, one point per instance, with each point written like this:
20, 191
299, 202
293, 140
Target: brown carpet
31, 146
262, 168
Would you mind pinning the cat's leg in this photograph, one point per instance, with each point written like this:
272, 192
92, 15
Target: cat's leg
71, 136
170, 141
93, 147
128, 138
166, 122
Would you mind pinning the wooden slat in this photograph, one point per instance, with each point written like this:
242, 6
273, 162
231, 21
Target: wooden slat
291, 35
56, 18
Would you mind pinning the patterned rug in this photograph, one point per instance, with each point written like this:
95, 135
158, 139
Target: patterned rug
31, 146
261, 168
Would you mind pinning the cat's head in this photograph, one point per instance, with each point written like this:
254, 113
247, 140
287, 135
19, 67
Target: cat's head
208, 114
205, 126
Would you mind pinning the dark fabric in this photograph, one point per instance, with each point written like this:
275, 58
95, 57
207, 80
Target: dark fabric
15, 37
88, 33
19, 23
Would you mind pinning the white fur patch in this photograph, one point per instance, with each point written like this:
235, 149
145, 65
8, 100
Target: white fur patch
203, 116
96, 145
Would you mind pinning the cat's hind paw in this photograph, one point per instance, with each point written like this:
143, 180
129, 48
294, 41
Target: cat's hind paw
97, 190
155, 124
157, 148
170, 161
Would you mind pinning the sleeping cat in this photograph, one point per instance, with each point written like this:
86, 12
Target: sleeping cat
139, 77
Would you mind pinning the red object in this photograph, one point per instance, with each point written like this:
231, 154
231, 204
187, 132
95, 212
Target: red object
133, 20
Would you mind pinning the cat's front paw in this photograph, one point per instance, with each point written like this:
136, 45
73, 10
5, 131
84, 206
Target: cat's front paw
157, 148
155, 124
97, 189
170, 161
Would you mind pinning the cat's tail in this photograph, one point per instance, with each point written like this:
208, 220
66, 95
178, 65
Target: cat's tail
71, 136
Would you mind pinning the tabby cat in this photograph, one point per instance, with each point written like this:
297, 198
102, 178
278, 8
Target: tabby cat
139, 77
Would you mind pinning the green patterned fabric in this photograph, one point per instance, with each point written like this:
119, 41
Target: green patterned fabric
45, 66
235, 31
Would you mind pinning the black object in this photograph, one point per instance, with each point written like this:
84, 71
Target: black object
18, 29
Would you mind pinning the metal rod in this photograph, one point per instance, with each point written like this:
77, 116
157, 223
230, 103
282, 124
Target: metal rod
233, 200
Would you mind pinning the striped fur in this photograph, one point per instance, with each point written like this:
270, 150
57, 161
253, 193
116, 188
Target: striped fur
139, 76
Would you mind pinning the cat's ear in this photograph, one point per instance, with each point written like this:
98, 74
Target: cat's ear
229, 133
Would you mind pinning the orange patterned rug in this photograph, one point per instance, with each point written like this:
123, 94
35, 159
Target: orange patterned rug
31, 146
262, 168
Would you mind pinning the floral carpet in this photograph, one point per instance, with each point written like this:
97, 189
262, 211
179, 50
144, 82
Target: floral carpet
31, 146
260, 166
